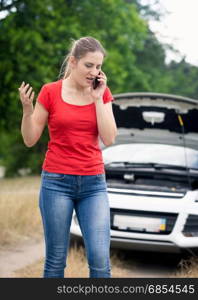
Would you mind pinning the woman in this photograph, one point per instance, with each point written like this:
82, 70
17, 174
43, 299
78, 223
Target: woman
73, 175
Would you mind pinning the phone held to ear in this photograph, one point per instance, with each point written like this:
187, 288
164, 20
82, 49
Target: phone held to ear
96, 83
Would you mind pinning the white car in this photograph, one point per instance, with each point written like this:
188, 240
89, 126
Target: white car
152, 173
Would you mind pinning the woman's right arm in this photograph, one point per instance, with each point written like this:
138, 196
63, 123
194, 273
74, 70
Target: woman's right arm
34, 118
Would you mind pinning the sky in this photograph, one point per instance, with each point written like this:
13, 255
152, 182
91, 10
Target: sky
178, 27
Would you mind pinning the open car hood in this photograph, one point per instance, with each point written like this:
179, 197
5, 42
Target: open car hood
182, 104
156, 118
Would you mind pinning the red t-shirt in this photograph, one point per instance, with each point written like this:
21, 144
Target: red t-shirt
74, 145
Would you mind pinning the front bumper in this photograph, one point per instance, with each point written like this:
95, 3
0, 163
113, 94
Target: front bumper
173, 241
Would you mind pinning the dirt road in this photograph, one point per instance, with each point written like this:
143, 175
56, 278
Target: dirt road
18, 257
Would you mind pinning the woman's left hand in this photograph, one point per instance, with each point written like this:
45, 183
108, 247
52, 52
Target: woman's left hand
99, 91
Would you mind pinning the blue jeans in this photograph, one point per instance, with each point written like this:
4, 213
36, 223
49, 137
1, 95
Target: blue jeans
60, 194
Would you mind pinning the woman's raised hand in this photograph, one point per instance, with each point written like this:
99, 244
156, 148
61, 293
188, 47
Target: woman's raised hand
27, 97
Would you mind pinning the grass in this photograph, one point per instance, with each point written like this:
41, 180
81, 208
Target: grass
19, 213
20, 220
77, 266
188, 268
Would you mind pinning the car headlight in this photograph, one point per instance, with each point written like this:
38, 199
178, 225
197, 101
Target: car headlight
191, 226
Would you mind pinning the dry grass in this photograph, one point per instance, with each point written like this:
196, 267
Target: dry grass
19, 212
188, 268
77, 266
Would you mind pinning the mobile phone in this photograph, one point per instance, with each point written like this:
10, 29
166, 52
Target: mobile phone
96, 83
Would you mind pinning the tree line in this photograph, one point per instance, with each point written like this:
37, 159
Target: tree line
35, 37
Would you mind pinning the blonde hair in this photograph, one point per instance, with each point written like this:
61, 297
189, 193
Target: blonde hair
78, 49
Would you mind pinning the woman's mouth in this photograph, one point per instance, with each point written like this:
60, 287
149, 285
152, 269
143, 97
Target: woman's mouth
90, 79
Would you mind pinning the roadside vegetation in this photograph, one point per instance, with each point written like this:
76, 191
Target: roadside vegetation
19, 213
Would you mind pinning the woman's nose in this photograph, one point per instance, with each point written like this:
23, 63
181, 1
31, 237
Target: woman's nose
94, 73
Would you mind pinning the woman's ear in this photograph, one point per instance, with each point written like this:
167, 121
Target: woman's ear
72, 61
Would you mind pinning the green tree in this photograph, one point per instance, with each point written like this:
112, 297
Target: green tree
183, 79
35, 37
151, 61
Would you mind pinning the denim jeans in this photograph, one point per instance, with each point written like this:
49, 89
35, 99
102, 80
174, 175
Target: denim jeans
60, 194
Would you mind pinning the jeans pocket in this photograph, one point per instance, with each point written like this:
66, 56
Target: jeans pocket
52, 175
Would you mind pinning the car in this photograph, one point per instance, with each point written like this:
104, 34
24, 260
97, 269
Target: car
152, 173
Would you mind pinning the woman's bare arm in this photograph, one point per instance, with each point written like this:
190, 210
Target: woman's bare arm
34, 118
106, 123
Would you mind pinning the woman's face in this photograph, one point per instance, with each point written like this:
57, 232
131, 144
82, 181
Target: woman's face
86, 69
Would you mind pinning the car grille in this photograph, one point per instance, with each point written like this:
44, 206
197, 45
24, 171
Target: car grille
191, 226
169, 217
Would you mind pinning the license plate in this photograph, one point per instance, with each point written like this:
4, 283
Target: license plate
139, 223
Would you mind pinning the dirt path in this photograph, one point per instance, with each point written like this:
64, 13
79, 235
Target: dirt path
19, 257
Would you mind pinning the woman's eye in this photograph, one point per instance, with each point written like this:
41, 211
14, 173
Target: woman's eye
90, 66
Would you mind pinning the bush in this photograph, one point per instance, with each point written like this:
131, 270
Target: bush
14, 155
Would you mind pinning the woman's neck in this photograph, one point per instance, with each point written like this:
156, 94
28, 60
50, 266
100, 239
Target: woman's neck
70, 83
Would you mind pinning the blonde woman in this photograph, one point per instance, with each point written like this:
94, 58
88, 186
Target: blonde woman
77, 110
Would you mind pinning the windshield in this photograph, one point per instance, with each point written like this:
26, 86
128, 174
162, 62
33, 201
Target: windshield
152, 153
